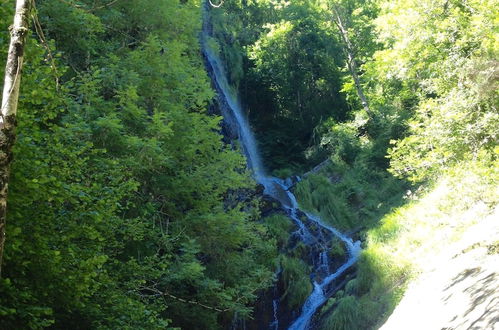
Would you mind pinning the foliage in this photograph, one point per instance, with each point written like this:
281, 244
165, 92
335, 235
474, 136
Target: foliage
344, 316
316, 193
406, 240
117, 195
124, 210
296, 281
433, 90
450, 49
279, 226
290, 80
350, 197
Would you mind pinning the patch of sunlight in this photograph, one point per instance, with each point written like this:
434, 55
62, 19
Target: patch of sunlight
459, 291
443, 232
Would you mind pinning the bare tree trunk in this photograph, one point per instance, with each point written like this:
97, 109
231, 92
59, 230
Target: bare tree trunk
351, 63
18, 32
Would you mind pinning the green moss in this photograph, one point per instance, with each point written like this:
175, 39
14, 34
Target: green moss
279, 227
295, 275
337, 249
344, 317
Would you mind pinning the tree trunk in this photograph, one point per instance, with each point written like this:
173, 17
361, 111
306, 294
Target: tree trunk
18, 32
351, 63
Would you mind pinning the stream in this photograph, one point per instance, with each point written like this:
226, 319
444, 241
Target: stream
279, 189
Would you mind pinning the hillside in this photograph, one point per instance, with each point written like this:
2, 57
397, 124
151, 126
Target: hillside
459, 290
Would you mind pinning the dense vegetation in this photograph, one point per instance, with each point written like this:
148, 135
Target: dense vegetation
127, 211
429, 72
122, 203
289, 63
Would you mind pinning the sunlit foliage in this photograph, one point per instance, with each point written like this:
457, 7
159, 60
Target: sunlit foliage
117, 217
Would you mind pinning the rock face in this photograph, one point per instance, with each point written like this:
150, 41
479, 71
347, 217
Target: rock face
460, 292
219, 108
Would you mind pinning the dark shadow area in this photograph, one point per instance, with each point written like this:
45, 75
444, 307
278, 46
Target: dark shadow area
463, 275
480, 284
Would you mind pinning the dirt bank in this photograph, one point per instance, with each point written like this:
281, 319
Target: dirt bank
459, 289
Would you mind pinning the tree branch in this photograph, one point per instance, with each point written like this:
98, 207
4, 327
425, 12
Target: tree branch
186, 301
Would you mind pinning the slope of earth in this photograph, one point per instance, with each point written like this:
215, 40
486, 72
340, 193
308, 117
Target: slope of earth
458, 288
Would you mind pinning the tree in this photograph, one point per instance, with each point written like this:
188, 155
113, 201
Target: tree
121, 185
448, 51
293, 83
341, 21
13, 68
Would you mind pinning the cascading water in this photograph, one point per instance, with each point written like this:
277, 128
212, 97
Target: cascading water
324, 261
233, 112
277, 189
318, 297
275, 322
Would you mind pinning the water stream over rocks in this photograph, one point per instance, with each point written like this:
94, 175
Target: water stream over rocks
310, 228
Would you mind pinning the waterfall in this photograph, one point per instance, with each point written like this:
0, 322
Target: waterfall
276, 188
318, 297
275, 322
324, 261
233, 112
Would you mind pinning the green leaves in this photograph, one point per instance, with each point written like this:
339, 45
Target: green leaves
121, 179
286, 61
445, 49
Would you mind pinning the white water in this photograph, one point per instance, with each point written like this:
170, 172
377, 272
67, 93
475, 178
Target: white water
278, 189
317, 298
275, 323
324, 260
236, 113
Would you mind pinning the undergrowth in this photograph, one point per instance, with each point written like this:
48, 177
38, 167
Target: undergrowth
350, 198
406, 240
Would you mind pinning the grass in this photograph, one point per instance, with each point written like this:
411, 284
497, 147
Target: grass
296, 281
280, 227
407, 239
350, 198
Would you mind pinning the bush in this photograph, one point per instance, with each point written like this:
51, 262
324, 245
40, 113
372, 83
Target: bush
295, 276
